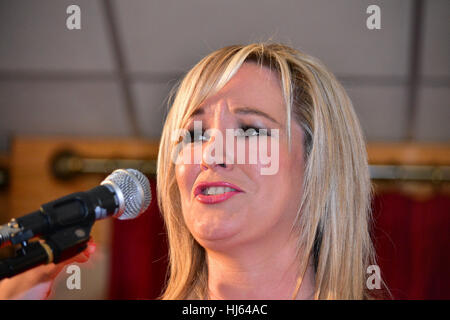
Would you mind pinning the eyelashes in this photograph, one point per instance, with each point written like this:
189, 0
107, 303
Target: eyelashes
248, 131
195, 135
242, 132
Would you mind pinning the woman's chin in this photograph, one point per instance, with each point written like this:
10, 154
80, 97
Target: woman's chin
215, 236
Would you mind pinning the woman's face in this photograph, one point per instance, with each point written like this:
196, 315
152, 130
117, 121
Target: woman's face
264, 206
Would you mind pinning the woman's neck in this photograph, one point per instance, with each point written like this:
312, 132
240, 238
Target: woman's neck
269, 272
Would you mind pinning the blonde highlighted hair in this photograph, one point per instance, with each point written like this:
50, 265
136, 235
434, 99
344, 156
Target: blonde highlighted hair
332, 224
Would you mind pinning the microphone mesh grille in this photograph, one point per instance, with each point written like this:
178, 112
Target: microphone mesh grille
135, 188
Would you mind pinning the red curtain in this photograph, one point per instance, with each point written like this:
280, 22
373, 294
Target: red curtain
412, 240
411, 237
139, 255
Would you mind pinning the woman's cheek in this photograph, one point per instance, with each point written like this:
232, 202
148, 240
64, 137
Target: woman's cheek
263, 153
185, 179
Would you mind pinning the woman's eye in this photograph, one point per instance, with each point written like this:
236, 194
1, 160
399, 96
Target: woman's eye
247, 131
195, 135
244, 131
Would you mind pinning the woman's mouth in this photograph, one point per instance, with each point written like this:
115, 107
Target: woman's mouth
215, 192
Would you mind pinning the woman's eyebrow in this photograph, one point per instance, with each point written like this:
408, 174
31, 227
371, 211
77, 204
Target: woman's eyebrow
249, 110
241, 110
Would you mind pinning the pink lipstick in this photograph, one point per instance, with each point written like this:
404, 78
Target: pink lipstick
201, 192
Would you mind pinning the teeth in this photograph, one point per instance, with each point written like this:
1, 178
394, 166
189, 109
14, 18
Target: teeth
217, 190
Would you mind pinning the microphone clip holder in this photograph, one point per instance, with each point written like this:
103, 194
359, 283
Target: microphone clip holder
55, 247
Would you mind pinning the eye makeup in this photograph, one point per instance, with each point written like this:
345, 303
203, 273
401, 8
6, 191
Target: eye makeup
244, 131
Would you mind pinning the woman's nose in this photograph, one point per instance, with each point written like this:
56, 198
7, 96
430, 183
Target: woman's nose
205, 167
214, 153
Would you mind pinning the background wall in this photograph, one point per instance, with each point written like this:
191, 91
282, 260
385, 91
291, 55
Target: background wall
111, 79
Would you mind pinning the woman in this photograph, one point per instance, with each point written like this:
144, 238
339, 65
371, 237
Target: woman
300, 231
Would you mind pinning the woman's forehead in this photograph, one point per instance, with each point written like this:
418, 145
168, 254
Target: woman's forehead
253, 87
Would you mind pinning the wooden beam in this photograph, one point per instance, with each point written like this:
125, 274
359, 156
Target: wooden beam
431, 154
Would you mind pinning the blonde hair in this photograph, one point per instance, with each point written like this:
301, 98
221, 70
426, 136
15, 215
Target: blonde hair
332, 223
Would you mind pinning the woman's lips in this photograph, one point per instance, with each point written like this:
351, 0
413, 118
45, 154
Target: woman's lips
214, 198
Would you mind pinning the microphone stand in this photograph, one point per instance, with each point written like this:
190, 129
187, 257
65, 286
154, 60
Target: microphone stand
58, 246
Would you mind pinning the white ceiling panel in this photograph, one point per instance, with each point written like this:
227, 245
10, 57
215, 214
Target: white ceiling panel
381, 111
34, 37
436, 43
68, 108
433, 115
172, 35
151, 106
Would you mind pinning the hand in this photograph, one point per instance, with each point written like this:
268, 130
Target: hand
37, 282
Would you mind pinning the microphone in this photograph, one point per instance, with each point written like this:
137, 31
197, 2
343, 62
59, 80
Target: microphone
124, 194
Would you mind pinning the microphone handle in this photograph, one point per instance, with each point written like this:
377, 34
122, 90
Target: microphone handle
58, 246
73, 209
36, 254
